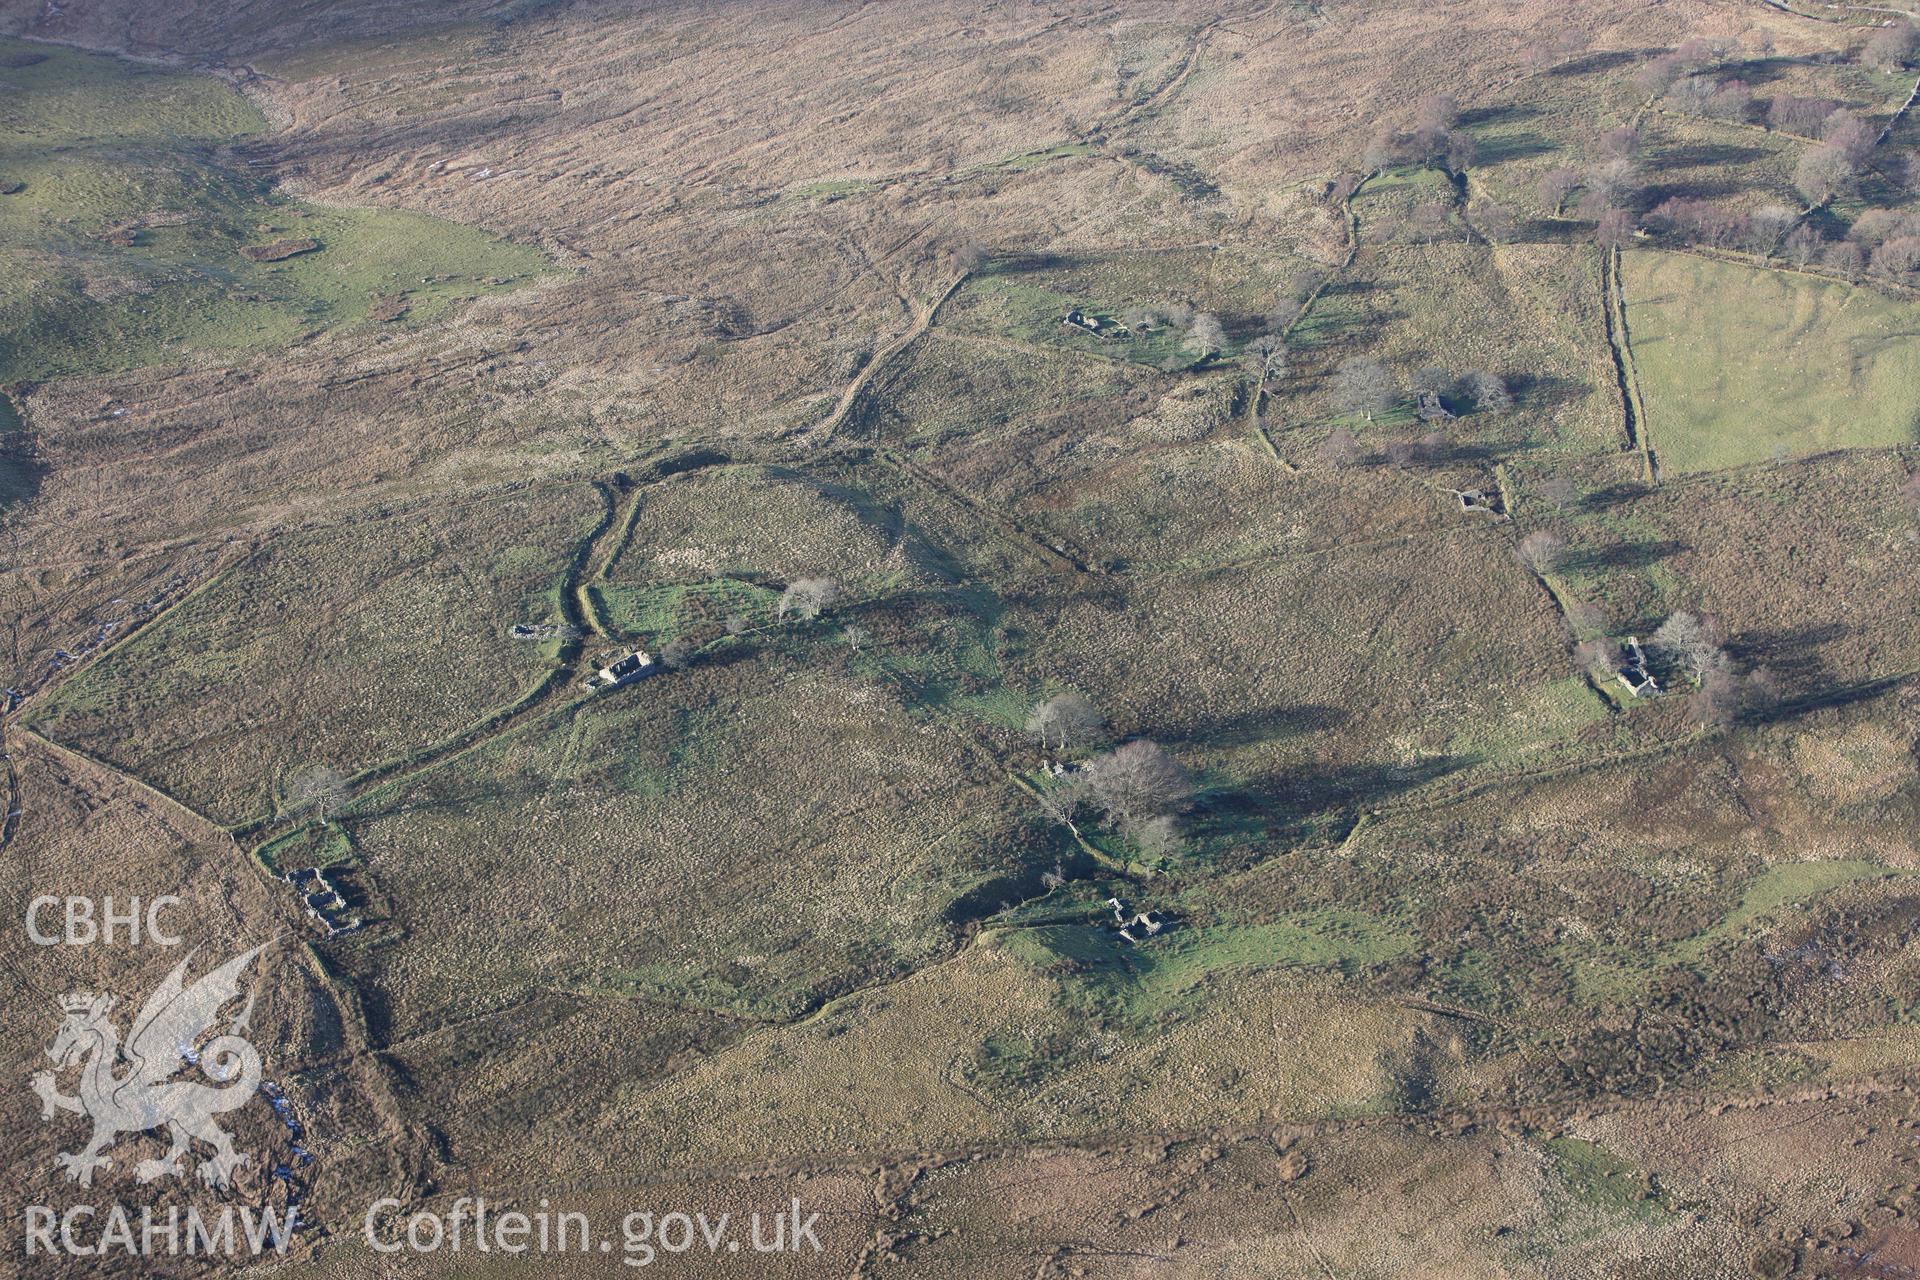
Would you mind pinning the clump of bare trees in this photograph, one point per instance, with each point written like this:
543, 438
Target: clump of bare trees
1065, 721
1691, 647
1138, 782
1891, 49
1554, 49
1790, 113
1823, 172
1138, 790
1703, 222
1435, 140
1688, 643
807, 598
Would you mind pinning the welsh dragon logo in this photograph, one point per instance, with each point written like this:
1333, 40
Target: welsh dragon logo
132, 1088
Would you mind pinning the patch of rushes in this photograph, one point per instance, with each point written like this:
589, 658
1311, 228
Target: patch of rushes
667, 612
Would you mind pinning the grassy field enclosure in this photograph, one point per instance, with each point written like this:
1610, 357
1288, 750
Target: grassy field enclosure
1741, 365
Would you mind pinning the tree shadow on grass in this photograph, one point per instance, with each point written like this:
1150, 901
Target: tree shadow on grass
1613, 495
1704, 155
1285, 804
1540, 392
1625, 555
1245, 728
1791, 653
1606, 60
1513, 146
1510, 113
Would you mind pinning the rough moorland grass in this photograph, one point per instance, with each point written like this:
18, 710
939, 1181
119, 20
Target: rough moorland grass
342, 647
1739, 364
128, 225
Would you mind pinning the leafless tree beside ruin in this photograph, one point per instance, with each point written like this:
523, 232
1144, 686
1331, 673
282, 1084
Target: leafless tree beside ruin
1364, 386
1205, 336
319, 790
1067, 720
1066, 800
1487, 390
1689, 642
1138, 781
1891, 48
677, 653
1597, 658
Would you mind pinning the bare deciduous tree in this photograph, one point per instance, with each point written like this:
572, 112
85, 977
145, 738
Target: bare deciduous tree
1598, 658
1656, 77
1891, 48
677, 653
1066, 800
1363, 385
1138, 781
1846, 258
1488, 391
1555, 186
1848, 134
1613, 228
1690, 642
318, 790
1067, 720
807, 597
857, 637
1157, 837
1619, 143
1205, 336
1265, 359
1790, 113
1822, 173
1283, 313
1541, 550
1689, 95
1802, 245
